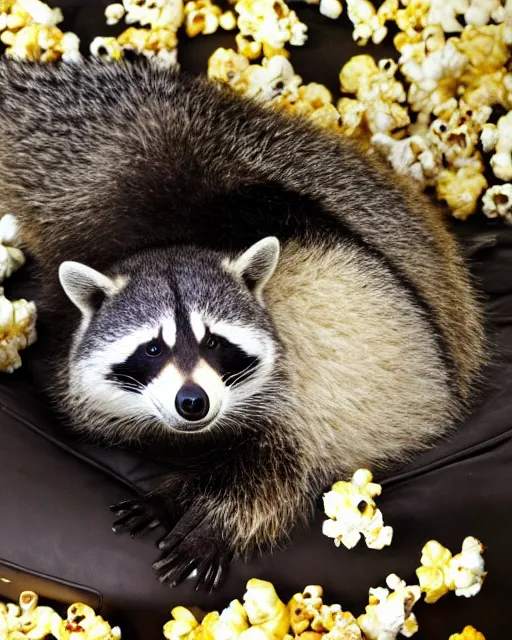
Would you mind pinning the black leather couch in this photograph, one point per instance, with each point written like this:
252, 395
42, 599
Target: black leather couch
55, 523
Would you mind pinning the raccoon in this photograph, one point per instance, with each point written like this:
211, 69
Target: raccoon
254, 301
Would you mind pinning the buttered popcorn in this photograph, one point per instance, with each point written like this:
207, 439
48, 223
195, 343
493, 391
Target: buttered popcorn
155, 37
34, 622
29, 30
18, 317
352, 513
440, 572
389, 611
497, 202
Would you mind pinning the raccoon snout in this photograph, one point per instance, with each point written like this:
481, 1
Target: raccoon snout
192, 403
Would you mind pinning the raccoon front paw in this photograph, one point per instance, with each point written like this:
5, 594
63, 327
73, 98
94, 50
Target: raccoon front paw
134, 516
196, 548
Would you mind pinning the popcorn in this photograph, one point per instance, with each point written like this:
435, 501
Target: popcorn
263, 616
265, 610
311, 619
44, 44
461, 189
369, 22
469, 633
181, 624
158, 41
489, 137
107, 48
30, 33
82, 619
355, 71
345, 628
201, 16
327, 117
497, 202
466, 569
411, 20
233, 620
331, 8
378, 91
413, 156
314, 101
352, 114
114, 13
445, 12
480, 12
157, 14
307, 611
269, 23
389, 611
228, 21
433, 68
31, 621
488, 89
352, 512
24, 12
315, 96
227, 65
11, 258
456, 134
441, 572
499, 138
159, 45
273, 80
431, 574
41, 43
17, 330
382, 84
486, 47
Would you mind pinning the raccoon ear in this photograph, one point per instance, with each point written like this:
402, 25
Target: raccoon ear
86, 287
256, 265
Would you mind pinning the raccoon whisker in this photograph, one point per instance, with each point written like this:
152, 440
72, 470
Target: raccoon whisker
258, 375
229, 422
232, 378
128, 387
134, 383
140, 388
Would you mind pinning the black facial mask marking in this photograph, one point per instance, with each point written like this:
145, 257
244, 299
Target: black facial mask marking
142, 366
231, 362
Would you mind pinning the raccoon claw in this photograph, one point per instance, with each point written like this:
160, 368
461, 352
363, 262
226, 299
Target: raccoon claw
214, 577
211, 571
193, 552
133, 517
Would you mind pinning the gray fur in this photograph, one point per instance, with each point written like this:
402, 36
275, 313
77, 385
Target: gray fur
114, 166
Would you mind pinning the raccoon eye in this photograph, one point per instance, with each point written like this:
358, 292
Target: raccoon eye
153, 349
212, 342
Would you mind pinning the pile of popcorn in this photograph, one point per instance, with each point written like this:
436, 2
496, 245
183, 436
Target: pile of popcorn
388, 614
353, 515
28, 620
438, 123
18, 317
262, 615
29, 30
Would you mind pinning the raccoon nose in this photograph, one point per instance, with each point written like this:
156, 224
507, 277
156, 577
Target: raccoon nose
192, 402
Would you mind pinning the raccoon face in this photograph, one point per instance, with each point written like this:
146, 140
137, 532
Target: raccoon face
177, 337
